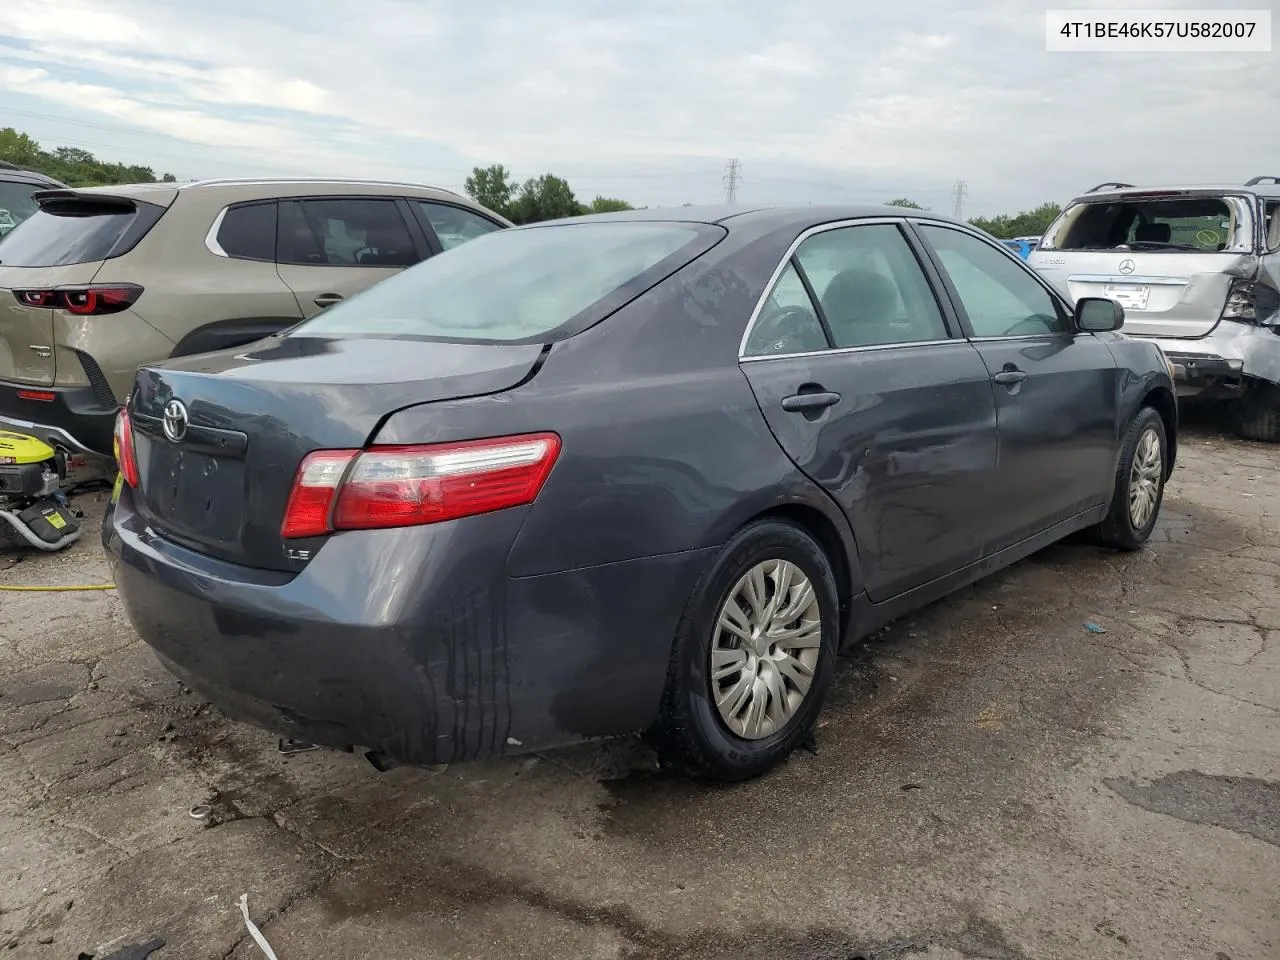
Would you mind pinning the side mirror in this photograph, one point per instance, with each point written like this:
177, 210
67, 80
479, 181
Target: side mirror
1098, 315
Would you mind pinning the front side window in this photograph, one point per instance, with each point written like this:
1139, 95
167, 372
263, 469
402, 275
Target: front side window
349, 232
535, 284
454, 225
1001, 296
1273, 225
871, 287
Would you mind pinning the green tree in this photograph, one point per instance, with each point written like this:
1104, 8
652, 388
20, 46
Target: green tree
492, 187
608, 205
72, 165
904, 202
547, 197
1028, 223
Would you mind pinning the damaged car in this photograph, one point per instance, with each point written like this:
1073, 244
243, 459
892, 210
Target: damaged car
1197, 270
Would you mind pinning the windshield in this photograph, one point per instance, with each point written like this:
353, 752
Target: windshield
519, 285
1200, 224
16, 203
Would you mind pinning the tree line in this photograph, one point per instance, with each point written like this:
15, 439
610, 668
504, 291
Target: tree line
546, 197
1028, 223
71, 165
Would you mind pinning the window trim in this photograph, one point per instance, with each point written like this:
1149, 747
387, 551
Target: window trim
1066, 312
424, 222
949, 317
421, 245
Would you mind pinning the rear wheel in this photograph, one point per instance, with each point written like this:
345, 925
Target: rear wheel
1258, 413
1139, 490
752, 657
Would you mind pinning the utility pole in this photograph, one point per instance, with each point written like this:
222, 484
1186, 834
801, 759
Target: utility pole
958, 193
732, 174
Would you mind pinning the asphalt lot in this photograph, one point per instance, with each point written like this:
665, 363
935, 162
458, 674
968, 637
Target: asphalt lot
993, 780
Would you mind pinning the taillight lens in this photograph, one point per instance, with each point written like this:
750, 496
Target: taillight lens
126, 454
95, 299
1241, 301
413, 485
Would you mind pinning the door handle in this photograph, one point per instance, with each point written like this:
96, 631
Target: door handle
799, 402
1009, 377
327, 299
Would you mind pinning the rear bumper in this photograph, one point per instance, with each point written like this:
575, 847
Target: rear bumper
412, 642
1219, 362
74, 419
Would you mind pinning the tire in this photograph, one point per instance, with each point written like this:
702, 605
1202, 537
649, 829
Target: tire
1125, 528
1258, 413
693, 734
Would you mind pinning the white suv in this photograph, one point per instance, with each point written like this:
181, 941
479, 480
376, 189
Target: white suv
1197, 270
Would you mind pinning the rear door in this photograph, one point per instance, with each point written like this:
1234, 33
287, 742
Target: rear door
1055, 389
1168, 259
330, 248
871, 395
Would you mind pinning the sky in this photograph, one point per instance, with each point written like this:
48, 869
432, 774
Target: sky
819, 100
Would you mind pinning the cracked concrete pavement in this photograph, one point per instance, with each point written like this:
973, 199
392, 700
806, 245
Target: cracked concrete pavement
993, 780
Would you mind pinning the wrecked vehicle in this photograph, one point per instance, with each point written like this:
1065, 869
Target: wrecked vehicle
1197, 270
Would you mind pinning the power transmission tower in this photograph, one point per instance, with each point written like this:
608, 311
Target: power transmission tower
732, 174
958, 193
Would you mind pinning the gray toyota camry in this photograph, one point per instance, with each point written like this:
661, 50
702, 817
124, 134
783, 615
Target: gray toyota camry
640, 472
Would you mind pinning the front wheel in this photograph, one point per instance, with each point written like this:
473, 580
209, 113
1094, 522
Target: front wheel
752, 657
1139, 490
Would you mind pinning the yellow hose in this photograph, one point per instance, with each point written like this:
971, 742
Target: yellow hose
86, 586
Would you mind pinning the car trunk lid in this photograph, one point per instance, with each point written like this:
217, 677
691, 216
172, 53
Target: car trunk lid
220, 486
1164, 294
28, 352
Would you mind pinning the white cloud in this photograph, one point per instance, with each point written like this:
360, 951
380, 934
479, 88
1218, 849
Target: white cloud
822, 101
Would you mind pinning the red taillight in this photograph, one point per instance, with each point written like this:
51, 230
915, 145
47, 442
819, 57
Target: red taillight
126, 455
44, 396
94, 300
413, 485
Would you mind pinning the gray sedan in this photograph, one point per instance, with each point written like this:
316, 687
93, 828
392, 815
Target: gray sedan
641, 472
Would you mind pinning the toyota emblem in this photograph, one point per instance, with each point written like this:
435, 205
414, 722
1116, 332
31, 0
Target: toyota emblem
1127, 267
175, 420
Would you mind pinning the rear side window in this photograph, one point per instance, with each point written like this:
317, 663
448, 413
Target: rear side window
16, 204
346, 232
1202, 224
78, 230
531, 285
249, 232
454, 225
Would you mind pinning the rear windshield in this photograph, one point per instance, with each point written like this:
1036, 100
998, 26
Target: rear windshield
73, 231
16, 203
511, 286
1171, 224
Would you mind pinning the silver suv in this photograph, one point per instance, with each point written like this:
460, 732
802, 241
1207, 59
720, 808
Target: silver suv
100, 281
1197, 270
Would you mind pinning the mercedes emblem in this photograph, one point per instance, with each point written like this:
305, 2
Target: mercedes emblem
1127, 267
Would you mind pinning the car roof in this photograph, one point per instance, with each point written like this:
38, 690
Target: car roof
13, 174
1269, 190
263, 189
757, 219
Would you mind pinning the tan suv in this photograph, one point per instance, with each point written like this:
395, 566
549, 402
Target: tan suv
102, 280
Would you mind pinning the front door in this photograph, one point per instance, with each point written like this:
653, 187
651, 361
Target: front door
869, 393
1056, 390
330, 248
